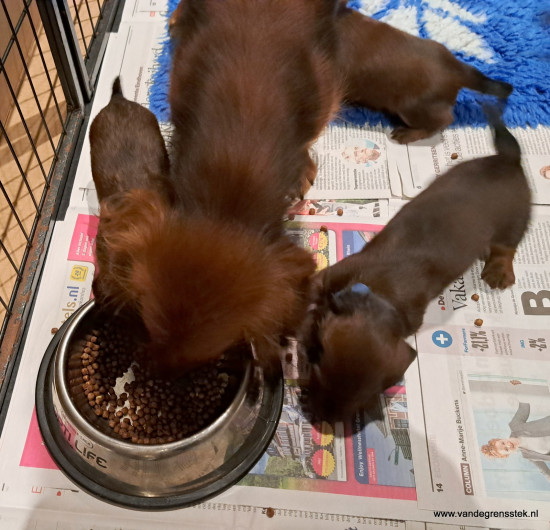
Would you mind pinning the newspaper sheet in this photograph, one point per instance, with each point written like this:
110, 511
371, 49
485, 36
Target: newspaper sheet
484, 377
130, 54
427, 159
524, 305
371, 468
339, 474
372, 464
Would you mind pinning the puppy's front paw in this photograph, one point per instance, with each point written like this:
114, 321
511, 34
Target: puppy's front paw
498, 274
406, 135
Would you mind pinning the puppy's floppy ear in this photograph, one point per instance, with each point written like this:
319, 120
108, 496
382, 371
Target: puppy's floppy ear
404, 355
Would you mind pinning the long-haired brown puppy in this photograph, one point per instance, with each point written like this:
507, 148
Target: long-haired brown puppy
414, 79
369, 302
129, 158
253, 84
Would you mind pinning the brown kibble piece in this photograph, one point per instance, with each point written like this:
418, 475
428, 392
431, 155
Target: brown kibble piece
270, 512
454, 156
54, 330
475, 297
323, 228
478, 322
312, 211
340, 211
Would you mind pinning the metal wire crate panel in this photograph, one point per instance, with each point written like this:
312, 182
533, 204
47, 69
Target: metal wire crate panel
33, 115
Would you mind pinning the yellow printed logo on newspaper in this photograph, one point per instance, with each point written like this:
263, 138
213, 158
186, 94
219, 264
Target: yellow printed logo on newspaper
79, 273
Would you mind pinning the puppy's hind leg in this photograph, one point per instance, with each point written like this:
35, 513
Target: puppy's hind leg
422, 121
498, 272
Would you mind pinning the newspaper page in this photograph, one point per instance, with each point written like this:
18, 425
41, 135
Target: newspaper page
144, 10
30, 479
485, 397
525, 304
430, 158
310, 474
360, 458
352, 163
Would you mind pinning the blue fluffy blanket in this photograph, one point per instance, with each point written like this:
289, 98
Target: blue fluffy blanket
505, 39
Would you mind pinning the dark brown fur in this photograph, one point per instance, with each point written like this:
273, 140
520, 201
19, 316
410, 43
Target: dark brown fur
252, 85
478, 209
127, 149
415, 79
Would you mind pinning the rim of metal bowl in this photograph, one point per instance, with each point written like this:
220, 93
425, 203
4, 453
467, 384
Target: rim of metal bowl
114, 444
229, 473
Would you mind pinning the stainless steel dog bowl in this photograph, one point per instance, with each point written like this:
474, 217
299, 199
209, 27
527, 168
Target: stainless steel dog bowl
154, 477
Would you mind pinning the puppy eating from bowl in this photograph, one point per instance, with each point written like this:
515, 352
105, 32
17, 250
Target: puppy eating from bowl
367, 304
253, 83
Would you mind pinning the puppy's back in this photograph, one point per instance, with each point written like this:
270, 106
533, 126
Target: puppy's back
127, 149
252, 85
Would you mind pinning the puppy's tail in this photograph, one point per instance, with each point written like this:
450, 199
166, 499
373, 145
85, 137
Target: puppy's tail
117, 88
478, 81
505, 143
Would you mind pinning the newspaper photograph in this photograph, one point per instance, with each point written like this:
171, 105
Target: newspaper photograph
331, 242
363, 458
351, 162
487, 429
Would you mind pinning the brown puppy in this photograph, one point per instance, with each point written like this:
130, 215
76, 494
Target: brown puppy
127, 149
415, 79
478, 209
253, 84
128, 155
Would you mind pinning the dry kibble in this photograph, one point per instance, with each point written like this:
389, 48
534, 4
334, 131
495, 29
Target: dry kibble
54, 330
478, 322
312, 211
323, 228
150, 410
454, 156
340, 211
475, 297
270, 512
